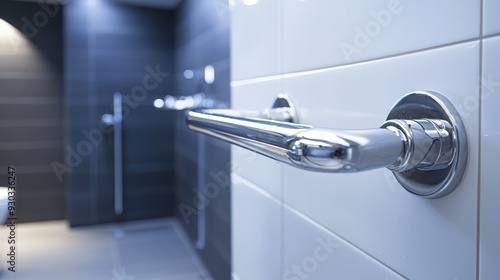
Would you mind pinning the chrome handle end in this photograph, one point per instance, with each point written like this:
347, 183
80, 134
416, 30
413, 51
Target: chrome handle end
428, 144
436, 144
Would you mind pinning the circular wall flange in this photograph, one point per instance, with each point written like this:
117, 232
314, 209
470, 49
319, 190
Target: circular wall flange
284, 110
433, 105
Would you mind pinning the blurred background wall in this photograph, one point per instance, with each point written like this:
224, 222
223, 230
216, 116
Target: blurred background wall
112, 48
60, 65
202, 163
31, 107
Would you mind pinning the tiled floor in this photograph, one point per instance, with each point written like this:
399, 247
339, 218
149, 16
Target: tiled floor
141, 250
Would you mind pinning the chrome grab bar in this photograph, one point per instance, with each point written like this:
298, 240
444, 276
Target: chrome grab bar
328, 150
426, 137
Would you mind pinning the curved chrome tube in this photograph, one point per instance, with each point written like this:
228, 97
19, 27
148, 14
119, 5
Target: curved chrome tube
399, 145
423, 142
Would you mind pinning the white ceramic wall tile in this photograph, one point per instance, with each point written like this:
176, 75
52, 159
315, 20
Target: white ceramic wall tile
491, 18
260, 170
319, 34
312, 252
255, 39
256, 233
415, 236
490, 137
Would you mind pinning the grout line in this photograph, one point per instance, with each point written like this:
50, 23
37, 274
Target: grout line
30, 145
478, 218
243, 82
329, 231
330, 68
255, 187
489, 36
282, 166
27, 169
29, 100
314, 71
307, 218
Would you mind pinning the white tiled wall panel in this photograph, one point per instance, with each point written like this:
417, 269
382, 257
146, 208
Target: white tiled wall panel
376, 228
490, 152
311, 252
256, 233
319, 34
255, 38
415, 236
491, 17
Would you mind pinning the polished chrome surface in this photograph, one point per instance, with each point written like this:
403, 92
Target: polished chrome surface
115, 120
439, 177
117, 140
108, 120
428, 145
282, 110
411, 145
303, 146
188, 102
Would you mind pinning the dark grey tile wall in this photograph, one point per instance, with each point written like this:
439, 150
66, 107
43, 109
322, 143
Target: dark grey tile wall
113, 48
202, 38
31, 107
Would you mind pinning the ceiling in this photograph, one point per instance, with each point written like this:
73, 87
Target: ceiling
161, 4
